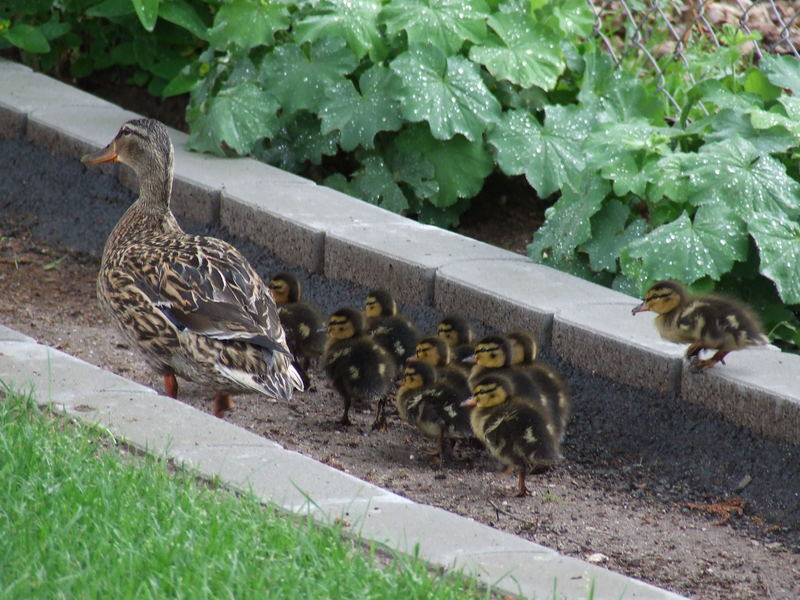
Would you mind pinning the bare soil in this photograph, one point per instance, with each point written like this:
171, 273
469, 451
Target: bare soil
653, 487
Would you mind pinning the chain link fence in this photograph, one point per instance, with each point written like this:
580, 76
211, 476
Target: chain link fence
656, 33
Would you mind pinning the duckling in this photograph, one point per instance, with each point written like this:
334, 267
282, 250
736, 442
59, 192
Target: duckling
435, 351
493, 355
391, 330
704, 322
359, 368
458, 334
302, 322
433, 406
552, 386
516, 431
193, 305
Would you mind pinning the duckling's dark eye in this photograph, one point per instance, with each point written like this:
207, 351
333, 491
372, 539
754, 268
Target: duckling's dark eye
126, 131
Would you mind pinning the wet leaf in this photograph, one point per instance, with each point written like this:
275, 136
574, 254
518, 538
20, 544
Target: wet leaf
448, 93
460, 166
444, 23
184, 15
360, 115
550, 156
354, 21
568, 222
687, 250
248, 23
375, 183
783, 71
520, 51
778, 241
236, 117
299, 81
147, 11
610, 234
735, 173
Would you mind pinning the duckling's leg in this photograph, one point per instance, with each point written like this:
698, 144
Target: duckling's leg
171, 385
522, 490
222, 403
693, 350
703, 365
380, 416
347, 397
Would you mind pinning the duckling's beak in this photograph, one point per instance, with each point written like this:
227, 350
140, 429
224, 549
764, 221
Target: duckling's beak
641, 308
107, 154
471, 401
471, 359
322, 330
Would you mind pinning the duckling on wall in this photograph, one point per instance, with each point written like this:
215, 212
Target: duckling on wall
435, 351
433, 406
457, 333
704, 322
517, 431
302, 322
551, 385
358, 367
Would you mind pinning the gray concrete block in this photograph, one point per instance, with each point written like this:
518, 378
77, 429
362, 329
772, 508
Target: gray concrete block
12, 122
606, 339
758, 388
513, 294
57, 377
28, 91
67, 131
291, 220
281, 477
10, 335
402, 257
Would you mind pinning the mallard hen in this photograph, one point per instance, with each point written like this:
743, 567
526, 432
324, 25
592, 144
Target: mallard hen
517, 431
193, 305
704, 322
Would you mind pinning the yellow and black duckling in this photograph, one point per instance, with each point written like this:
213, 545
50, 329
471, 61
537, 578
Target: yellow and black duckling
433, 406
359, 368
394, 332
193, 305
518, 432
302, 322
705, 322
551, 385
391, 330
493, 355
435, 351
457, 332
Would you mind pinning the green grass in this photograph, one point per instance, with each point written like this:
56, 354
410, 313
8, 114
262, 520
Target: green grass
80, 519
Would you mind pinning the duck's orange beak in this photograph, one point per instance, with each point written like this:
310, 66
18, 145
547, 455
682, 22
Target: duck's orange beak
641, 308
471, 401
107, 154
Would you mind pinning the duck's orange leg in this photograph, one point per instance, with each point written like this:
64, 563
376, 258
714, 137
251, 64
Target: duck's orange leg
522, 489
222, 403
171, 385
703, 365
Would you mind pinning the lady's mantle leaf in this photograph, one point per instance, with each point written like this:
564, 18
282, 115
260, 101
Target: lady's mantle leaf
521, 52
783, 71
610, 234
449, 93
736, 174
778, 241
686, 250
375, 183
248, 23
299, 81
352, 20
460, 166
568, 222
443, 23
550, 156
359, 116
235, 118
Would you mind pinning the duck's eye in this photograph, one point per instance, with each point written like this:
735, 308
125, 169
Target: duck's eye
126, 131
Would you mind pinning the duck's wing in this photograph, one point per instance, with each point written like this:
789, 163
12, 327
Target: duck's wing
207, 286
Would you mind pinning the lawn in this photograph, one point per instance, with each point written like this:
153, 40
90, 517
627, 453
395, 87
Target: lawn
83, 517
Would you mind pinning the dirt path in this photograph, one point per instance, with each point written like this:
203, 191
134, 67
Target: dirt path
646, 479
